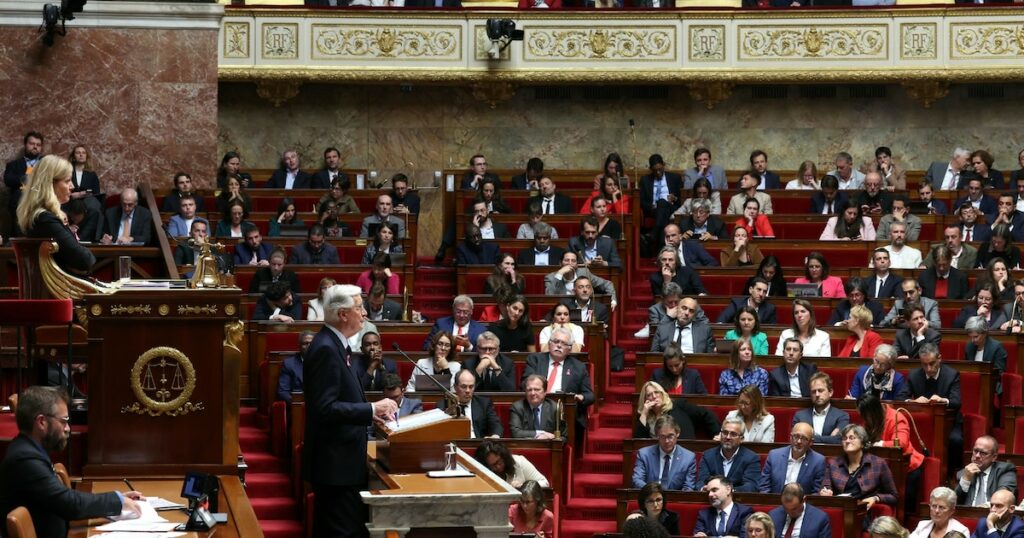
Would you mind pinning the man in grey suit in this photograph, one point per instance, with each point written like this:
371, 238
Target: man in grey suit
594, 249
702, 168
563, 281
395, 389
984, 475
826, 420
945, 176
691, 335
964, 256
535, 417
898, 316
383, 214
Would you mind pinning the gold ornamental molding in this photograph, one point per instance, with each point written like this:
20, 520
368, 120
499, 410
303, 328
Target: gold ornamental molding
236, 40
819, 42
130, 310
493, 93
986, 40
710, 93
927, 91
233, 333
188, 310
280, 41
918, 41
386, 42
603, 43
278, 91
162, 380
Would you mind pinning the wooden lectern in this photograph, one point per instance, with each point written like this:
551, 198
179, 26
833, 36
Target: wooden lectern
419, 449
163, 381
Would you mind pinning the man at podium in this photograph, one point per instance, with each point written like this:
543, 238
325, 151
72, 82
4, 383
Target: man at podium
337, 415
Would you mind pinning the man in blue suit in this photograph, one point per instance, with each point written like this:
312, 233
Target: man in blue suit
745, 469
766, 179
1000, 520
691, 252
460, 324
724, 517
829, 199
832, 420
373, 366
795, 463
976, 197
799, 518
253, 251
667, 463
395, 389
290, 378
757, 298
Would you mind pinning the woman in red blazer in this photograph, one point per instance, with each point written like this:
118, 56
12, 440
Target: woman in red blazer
753, 221
862, 340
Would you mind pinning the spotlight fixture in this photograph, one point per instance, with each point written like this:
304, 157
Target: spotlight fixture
501, 32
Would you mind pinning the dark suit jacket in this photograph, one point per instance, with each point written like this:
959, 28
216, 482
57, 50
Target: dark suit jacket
686, 278
264, 309
956, 287
91, 182
521, 421
71, 256
692, 383
948, 386
773, 476
142, 224
673, 181
818, 202
28, 479
337, 415
390, 311
527, 256
375, 381
1001, 475
778, 379
302, 255
835, 419
707, 521
447, 323
485, 418
411, 201
703, 339
994, 353
243, 254
1014, 530
519, 182
765, 312
505, 381
606, 249
171, 203
485, 255
322, 179
279, 179
14, 178
987, 206
563, 204
744, 473
262, 277
695, 255
905, 345
714, 224
842, 311
695, 422
816, 523
467, 178
980, 234
891, 288
575, 380
290, 378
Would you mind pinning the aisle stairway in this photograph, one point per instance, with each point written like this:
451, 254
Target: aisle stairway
268, 484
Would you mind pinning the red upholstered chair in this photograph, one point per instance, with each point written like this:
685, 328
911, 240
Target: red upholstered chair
33, 313
19, 524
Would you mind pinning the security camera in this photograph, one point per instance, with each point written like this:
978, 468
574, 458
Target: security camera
501, 32
494, 52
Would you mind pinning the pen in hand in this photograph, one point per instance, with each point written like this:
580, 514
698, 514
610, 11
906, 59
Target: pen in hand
129, 484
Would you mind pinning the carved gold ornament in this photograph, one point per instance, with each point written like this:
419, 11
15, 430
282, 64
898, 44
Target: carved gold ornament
280, 41
96, 310
233, 332
349, 41
163, 379
163, 310
229, 309
979, 40
130, 310
603, 43
868, 42
236, 40
209, 309
917, 41
707, 43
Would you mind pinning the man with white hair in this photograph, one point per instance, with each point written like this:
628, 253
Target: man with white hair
337, 416
564, 373
946, 176
128, 223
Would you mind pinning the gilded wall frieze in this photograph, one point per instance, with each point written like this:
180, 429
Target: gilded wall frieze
386, 42
986, 40
280, 41
707, 43
918, 41
602, 43
236, 40
818, 42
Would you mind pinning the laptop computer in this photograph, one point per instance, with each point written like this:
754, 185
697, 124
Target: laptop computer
423, 384
803, 290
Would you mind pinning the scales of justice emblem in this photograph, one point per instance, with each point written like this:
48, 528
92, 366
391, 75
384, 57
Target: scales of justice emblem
162, 380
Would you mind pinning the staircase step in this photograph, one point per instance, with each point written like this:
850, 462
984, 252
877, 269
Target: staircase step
599, 463
253, 440
596, 485
248, 416
261, 485
598, 509
579, 528
607, 440
264, 462
274, 508
282, 528
626, 377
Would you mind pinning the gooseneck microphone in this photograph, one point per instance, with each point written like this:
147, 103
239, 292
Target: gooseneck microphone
453, 400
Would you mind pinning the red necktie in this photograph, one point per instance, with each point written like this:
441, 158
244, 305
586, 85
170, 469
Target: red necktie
967, 234
789, 528
553, 374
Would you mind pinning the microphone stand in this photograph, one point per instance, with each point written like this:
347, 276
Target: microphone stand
453, 400
636, 169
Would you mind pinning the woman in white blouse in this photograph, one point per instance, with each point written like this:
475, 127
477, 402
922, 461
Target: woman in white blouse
941, 506
701, 191
560, 318
441, 361
315, 307
816, 341
750, 408
806, 178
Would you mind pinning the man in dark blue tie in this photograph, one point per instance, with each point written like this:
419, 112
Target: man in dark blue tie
724, 517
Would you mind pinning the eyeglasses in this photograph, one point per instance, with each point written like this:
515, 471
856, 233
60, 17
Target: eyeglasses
443, 344
797, 437
63, 420
728, 433
668, 437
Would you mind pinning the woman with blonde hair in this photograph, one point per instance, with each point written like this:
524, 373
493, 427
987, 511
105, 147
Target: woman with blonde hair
806, 178
315, 307
760, 525
887, 527
750, 408
39, 214
654, 402
862, 340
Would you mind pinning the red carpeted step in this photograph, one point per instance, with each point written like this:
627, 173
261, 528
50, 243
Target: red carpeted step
587, 528
253, 440
274, 508
612, 420
265, 462
607, 440
599, 463
626, 377
282, 528
248, 416
267, 484
620, 395
596, 485
589, 509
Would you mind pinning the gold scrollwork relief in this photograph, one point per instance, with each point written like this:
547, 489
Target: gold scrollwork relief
277, 91
493, 93
209, 309
707, 43
710, 93
162, 380
386, 42
236, 40
130, 310
608, 43
816, 42
927, 91
917, 41
995, 40
280, 41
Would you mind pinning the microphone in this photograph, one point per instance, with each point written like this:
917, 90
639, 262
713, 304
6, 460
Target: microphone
453, 400
632, 124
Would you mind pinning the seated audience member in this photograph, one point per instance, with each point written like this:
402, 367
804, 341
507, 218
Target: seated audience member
806, 178
759, 424
612, 169
393, 389
848, 225
1009, 215
828, 200
440, 362
230, 168
999, 246
252, 250
315, 306
901, 256
794, 465
128, 222
742, 371
692, 253
504, 275
514, 331
850, 179
862, 341
474, 250
816, 341
900, 213
982, 348
757, 299
759, 168
826, 419
858, 473
484, 420
323, 178
666, 462
926, 193
406, 202
1001, 519
290, 378
287, 215
289, 174
972, 227
84, 223
1014, 310
530, 514
918, 332
561, 318
748, 326
935, 382
874, 199
997, 273
534, 216
770, 269
380, 216
489, 229
316, 250
792, 378
529, 179
172, 202
886, 427
583, 308
372, 367
460, 325
606, 226
883, 284
691, 421
666, 309
724, 517
879, 378
383, 241
911, 294
651, 499
813, 522
748, 190
743, 252
563, 281
984, 476
379, 307
701, 224
703, 168
594, 249
659, 193
274, 272
180, 224
552, 202
564, 374
941, 509
816, 271
235, 220
185, 254
233, 192
670, 270
542, 252
701, 194
327, 217
611, 192
494, 372
976, 197
338, 192
894, 177
942, 280
887, 526
675, 377
278, 304
987, 307
535, 416
515, 469
477, 172
856, 295
691, 335
962, 255
756, 223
